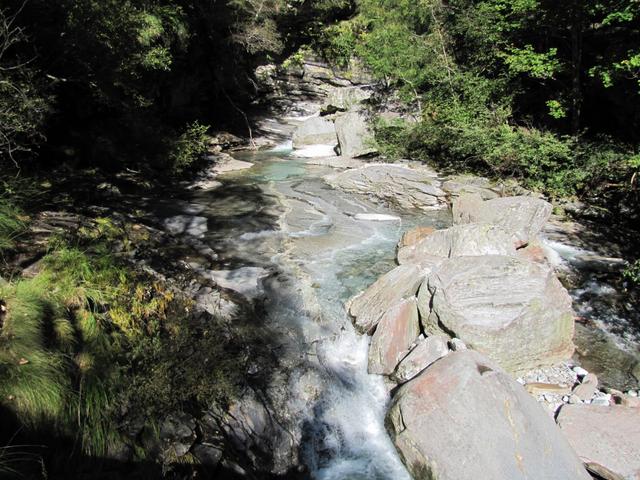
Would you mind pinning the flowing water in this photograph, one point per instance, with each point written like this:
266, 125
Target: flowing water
280, 216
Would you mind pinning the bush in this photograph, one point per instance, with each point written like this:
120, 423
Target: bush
189, 148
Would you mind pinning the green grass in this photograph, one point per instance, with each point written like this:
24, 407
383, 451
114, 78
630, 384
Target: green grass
90, 344
33, 381
11, 224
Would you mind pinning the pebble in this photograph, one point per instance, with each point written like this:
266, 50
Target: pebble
456, 344
581, 372
632, 393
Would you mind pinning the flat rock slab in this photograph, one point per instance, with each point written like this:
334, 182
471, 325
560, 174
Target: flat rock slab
459, 240
522, 217
388, 291
607, 439
396, 331
464, 418
226, 163
404, 187
512, 310
336, 162
466, 184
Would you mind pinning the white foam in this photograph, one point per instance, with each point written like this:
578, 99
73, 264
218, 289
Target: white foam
283, 147
314, 151
377, 217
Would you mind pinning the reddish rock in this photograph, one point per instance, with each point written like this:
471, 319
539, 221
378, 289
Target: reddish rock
464, 418
424, 354
390, 289
413, 236
397, 330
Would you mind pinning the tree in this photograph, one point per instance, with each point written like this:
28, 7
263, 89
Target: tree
23, 104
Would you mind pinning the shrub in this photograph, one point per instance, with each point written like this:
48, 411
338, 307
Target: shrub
190, 146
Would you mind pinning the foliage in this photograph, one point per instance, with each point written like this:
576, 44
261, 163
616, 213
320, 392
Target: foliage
190, 146
23, 103
507, 87
632, 273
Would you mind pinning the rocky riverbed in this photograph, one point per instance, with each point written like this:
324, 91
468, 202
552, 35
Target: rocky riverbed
420, 323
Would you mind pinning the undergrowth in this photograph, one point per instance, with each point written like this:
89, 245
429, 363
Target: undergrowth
90, 340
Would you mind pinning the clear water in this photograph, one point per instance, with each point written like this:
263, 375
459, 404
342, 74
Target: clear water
281, 215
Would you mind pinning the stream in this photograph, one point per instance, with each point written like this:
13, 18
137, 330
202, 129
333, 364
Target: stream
287, 238
324, 255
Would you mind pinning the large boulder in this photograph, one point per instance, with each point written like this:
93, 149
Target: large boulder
459, 240
354, 135
514, 311
388, 291
315, 131
346, 98
396, 331
607, 439
522, 217
398, 185
465, 418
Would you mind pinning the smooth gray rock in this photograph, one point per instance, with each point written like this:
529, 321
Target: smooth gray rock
514, 311
335, 162
396, 331
388, 291
354, 135
404, 187
459, 240
315, 131
424, 354
522, 217
464, 418
607, 439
